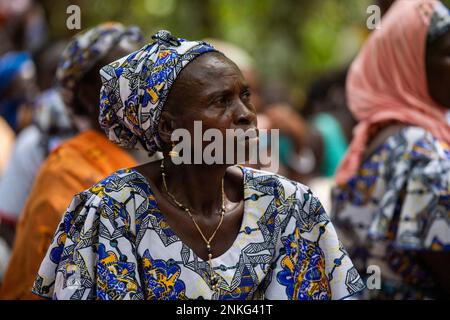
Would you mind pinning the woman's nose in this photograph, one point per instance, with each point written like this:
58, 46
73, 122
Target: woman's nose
244, 115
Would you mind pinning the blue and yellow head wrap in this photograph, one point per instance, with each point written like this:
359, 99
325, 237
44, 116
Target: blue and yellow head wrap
135, 89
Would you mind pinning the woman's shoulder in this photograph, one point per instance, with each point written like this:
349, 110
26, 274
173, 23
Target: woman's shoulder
418, 143
108, 200
287, 206
119, 186
289, 193
260, 178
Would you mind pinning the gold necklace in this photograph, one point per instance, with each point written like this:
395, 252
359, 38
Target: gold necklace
214, 280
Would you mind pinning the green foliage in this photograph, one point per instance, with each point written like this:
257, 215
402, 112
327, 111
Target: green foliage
292, 41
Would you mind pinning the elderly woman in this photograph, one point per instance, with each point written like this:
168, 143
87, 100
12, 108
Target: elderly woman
166, 231
393, 196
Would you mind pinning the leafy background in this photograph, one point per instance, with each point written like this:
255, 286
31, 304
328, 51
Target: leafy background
292, 41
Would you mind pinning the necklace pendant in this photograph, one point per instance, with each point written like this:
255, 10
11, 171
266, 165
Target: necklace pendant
214, 281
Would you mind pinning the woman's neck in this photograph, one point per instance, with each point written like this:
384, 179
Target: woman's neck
198, 187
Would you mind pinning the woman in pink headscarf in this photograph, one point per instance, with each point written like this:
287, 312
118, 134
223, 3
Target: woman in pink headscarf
392, 200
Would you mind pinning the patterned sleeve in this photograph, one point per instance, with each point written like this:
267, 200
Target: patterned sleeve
84, 261
311, 263
424, 218
420, 188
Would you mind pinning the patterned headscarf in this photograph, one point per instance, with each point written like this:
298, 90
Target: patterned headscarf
135, 89
387, 81
88, 48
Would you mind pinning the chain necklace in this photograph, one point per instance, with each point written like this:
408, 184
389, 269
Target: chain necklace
214, 280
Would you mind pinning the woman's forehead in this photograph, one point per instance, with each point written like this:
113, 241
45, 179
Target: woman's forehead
207, 76
213, 65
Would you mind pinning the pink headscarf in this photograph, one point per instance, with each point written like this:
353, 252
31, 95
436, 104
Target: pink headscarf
387, 81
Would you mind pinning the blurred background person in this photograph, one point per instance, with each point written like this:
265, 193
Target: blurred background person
39, 120
17, 89
331, 121
330, 125
292, 133
46, 60
78, 162
22, 30
6, 143
391, 204
23, 26
51, 126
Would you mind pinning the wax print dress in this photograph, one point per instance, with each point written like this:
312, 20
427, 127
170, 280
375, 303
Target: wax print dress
114, 243
396, 207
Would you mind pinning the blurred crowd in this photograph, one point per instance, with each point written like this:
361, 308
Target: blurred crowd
351, 143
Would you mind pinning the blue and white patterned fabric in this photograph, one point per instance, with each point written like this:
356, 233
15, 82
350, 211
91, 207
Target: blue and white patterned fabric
114, 243
396, 207
135, 89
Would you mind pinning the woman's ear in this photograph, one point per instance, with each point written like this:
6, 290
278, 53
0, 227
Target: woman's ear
166, 126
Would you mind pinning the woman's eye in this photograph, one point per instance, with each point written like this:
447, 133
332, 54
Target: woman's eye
246, 95
223, 101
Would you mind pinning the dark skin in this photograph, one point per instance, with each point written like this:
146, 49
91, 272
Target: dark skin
384, 5
213, 90
438, 70
438, 77
47, 62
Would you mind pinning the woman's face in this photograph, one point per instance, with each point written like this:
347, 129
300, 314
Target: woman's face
438, 70
211, 89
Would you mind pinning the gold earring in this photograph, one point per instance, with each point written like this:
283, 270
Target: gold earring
173, 153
